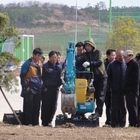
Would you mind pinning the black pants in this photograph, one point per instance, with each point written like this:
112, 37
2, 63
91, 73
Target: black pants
139, 105
108, 107
31, 108
131, 103
49, 105
118, 114
100, 90
139, 111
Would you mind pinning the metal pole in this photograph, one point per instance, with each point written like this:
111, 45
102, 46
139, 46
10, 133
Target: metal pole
99, 29
76, 24
10, 107
89, 32
110, 15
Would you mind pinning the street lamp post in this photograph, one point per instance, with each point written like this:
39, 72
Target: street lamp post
76, 24
110, 15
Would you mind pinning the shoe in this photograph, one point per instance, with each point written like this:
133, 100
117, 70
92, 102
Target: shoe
107, 125
30, 125
95, 116
51, 124
83, 117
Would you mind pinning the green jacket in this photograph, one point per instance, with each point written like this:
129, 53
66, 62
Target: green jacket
96, 60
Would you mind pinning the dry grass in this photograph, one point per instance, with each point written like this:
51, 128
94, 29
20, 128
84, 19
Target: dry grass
15, 132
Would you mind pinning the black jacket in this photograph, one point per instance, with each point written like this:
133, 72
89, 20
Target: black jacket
115, 76
51, 75
106, 63
131, 80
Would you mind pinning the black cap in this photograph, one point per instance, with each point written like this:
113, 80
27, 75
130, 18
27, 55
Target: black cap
138, 56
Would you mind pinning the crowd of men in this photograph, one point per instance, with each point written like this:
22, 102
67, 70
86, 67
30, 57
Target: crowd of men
116, 83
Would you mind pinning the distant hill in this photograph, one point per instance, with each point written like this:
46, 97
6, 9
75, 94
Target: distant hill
46, 17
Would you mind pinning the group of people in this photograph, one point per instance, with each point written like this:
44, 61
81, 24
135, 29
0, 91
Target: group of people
40, 82
122, 88
116, 83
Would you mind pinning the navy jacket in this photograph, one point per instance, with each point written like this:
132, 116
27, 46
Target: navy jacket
51, 75
115, 76
79, 67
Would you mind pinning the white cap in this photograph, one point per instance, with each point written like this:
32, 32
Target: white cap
127, 53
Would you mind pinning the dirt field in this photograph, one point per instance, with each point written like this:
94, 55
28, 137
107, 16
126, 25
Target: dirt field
15, 132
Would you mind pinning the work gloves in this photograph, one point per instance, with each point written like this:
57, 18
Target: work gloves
93, 63
86, 64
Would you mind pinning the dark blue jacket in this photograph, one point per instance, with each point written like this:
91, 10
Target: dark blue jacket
79, 67
116, 76
51, 75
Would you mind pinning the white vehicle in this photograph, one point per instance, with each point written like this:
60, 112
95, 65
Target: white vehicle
10, 67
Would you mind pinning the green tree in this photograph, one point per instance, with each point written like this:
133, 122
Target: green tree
5, 30
125, 34
7, 80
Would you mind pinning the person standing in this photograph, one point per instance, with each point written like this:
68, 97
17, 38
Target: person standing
31, 82
59, 58
131, 87
111, 55
116, 71
93, 59
138, 60
51, 83
42, 59
79, 52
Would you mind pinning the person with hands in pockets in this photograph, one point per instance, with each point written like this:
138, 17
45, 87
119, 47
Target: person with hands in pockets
93, 60
31, 82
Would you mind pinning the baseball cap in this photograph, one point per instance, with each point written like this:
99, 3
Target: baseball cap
137, 56
127, 53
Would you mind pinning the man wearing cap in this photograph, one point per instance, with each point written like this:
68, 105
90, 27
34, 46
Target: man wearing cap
138, 60
93, 59
131, 87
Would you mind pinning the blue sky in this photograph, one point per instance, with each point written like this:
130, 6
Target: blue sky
82, 3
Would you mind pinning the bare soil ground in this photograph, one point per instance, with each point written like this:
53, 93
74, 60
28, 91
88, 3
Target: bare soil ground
16, 132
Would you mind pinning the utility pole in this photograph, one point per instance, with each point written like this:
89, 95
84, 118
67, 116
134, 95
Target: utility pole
76, 24
110, 15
